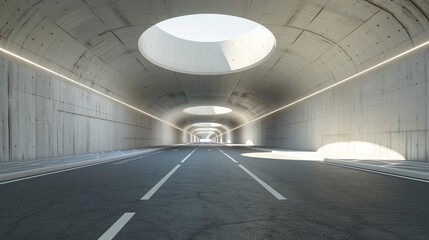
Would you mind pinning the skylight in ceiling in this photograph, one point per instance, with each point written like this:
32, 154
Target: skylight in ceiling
207, 27
207, 110
207, 44
206, 124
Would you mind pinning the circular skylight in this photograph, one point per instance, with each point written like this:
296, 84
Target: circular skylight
207, 27
205, 129
207, 44
205, 132
206, 124
207, 110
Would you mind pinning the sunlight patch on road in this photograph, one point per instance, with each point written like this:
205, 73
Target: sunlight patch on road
286, 155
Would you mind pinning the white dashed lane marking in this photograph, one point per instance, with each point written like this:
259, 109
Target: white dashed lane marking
265, 185
117, 226
151, 192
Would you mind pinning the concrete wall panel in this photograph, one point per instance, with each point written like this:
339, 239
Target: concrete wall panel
385, 109
42, 116
4, 115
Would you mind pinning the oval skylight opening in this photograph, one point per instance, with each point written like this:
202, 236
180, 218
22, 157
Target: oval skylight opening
207, 110
206, 124
205, 132
207, 44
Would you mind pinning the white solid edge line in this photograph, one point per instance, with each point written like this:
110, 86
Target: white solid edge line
133, 159
266, 186
58, 171
378, 172
117, 226
75, 168
122, 162
232, 159
188, 156
155, 188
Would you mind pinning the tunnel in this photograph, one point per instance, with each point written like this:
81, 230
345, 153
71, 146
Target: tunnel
204, 119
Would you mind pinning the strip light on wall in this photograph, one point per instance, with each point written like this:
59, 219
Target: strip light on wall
90, 89
331, 86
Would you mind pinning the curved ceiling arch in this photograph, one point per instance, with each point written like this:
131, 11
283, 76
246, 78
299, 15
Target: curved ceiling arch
318, 43
234, 118
192, 127
206, 129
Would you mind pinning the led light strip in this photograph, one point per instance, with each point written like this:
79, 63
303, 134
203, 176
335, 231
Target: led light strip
89, 88
331, 86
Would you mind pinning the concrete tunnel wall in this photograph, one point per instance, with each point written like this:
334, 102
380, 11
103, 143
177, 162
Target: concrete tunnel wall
387, 108
70, 38
42, 116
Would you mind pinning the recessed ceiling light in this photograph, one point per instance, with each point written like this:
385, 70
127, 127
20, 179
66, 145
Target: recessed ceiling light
207, 44
207, 110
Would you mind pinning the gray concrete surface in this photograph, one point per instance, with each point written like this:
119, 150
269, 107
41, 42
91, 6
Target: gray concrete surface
319, 43
383, 112
380, 114
42, 117
211, 197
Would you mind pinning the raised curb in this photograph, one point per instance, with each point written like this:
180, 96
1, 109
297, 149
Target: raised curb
381, 169
37, 171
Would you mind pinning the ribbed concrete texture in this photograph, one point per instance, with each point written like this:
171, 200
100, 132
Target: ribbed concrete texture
42, 116
381, 114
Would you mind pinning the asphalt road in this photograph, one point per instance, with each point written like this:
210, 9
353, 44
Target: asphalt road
210, 194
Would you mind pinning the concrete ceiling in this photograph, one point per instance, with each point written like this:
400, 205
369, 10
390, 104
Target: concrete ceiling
319, 42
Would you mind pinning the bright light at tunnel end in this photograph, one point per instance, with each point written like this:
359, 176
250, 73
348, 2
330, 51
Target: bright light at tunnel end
199, 127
